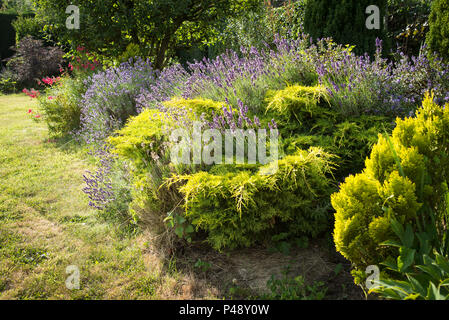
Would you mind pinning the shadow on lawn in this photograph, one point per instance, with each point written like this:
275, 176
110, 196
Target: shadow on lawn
65, 143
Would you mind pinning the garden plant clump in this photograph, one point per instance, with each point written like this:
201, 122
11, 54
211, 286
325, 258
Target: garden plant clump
269, 129
405, 183
316, 96
327, 104
110, 98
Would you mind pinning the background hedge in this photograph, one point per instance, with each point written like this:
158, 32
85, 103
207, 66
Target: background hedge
344, 21
438, 36
7, 36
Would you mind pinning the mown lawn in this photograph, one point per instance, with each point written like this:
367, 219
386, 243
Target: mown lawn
46, 224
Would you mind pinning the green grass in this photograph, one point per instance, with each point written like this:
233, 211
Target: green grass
47, 225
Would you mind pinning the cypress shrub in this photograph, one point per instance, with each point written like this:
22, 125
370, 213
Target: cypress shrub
345, 22
406, 178
438, 36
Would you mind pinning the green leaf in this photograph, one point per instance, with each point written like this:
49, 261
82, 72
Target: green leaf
412, 296
391, 243
436, 292
392, 265
408, 237
397, 228
406, 258
444, 283
189, 229
180, 219
416, 285
424, 243
179, 231
442, 263
393, 289
430, 270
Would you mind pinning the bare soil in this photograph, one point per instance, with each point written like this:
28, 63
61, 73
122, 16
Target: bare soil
250, 269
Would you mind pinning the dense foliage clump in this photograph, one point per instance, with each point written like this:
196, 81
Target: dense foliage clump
237, 205
345, 22
405, 176
259, 27
33, 61
438, 36
28, 26
408, 24
61, 107
157, 27
240, 208
110, 98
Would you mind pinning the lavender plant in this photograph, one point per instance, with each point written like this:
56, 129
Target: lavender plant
229, 76
237, 118
357, 84
360, 85
111, 98
109, 101
109, 187
98, 184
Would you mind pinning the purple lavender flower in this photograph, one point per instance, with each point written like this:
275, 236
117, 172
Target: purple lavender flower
112, 97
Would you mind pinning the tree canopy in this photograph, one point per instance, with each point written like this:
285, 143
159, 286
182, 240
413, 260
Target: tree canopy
157, 27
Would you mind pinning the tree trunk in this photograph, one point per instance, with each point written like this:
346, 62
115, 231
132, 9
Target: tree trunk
161, 52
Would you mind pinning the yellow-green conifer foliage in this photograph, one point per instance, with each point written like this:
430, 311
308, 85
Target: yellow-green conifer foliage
403, 174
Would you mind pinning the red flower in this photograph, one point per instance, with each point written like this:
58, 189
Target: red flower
37, 116
48, 81
50, 98
30, 111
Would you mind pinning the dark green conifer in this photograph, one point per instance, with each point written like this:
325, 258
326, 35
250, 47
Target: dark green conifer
438, 36
345, 22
